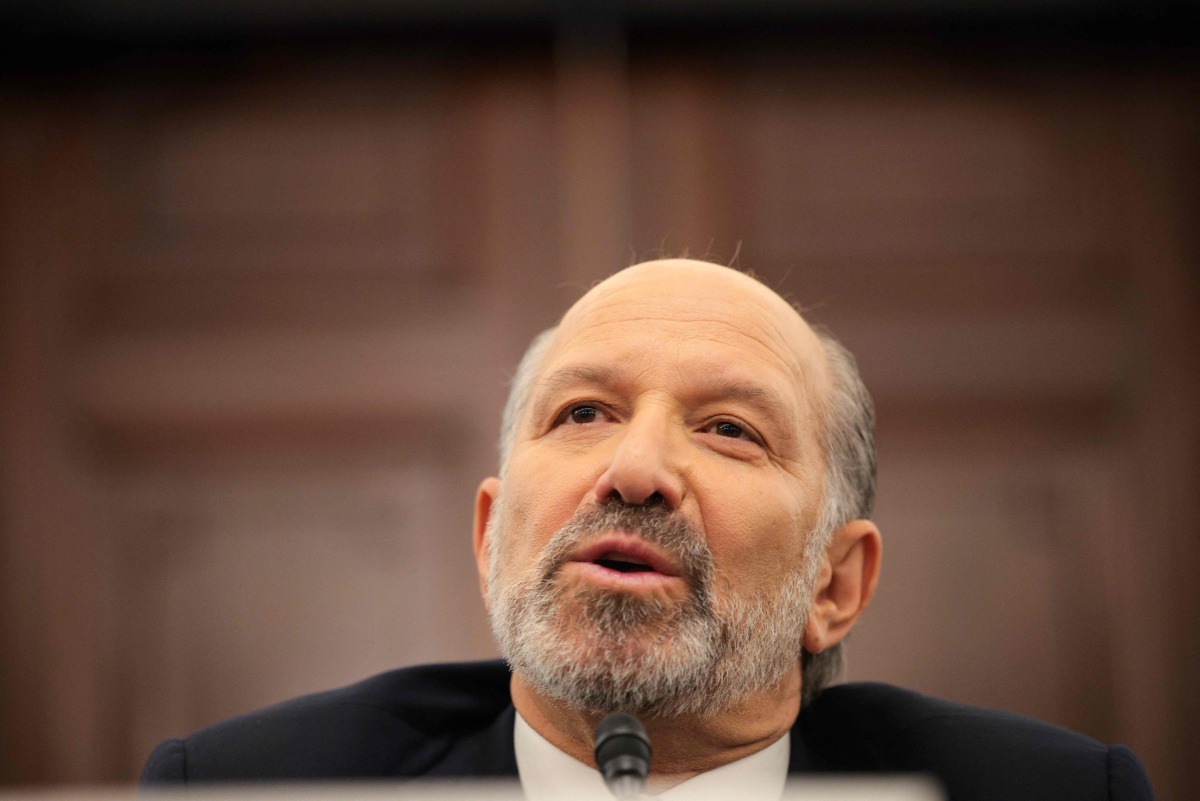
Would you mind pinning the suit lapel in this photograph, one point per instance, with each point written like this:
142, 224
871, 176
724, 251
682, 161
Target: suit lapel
487, 752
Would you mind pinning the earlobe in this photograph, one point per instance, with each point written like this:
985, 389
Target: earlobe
846, 584
485, 502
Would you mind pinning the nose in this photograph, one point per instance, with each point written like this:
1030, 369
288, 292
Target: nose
644, 470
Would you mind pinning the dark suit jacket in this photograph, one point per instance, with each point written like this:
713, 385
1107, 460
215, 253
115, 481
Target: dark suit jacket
457, 720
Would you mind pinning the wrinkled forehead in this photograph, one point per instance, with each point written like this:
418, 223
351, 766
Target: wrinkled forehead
680, 300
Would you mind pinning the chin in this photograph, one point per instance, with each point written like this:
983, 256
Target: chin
660, 668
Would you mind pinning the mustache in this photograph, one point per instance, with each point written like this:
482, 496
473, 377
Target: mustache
657, 525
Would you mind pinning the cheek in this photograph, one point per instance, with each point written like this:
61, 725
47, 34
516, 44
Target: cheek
760, 538
540, 502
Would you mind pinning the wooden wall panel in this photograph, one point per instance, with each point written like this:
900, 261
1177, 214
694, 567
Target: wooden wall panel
276, 584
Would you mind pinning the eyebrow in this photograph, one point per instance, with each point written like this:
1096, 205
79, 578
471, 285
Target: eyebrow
567, 377
781, 419
751, 394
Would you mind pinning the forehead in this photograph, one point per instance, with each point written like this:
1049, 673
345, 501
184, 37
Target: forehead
699, 320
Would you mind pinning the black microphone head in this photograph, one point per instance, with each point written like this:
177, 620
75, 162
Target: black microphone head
623, 754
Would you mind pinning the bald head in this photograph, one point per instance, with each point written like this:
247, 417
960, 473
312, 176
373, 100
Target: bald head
698, 289
686, 298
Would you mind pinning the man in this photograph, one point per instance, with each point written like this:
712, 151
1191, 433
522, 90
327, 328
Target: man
680, 530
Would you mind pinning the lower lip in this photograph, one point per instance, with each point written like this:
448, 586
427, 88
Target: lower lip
642, 580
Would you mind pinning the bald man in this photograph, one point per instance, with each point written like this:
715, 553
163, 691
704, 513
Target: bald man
679, 529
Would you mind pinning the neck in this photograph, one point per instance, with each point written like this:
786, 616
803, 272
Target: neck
682, 746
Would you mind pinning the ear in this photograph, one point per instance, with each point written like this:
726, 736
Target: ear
485, 499
845, 586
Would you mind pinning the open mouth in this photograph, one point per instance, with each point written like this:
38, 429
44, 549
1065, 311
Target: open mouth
623, 564
628, 555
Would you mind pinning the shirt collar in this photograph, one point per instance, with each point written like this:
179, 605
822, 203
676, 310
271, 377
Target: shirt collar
548, 774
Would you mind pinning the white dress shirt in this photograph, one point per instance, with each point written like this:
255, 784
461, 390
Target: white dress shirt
548, 774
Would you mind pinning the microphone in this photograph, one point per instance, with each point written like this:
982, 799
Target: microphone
623, 754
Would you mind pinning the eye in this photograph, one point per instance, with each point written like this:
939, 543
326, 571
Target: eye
728, 429
583, 414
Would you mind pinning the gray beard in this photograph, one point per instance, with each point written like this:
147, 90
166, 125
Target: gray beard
602, 650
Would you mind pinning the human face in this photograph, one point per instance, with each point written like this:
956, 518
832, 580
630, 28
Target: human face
672, 426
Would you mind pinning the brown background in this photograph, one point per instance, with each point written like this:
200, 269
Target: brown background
263, 285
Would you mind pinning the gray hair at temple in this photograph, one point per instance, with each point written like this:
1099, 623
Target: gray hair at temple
848, 441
